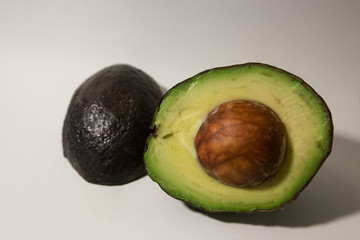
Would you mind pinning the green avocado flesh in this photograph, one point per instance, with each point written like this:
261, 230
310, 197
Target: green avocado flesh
171, 158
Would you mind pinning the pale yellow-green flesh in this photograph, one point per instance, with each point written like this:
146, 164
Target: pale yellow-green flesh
171, 158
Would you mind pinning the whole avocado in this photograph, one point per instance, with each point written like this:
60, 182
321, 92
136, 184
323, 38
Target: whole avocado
107, 124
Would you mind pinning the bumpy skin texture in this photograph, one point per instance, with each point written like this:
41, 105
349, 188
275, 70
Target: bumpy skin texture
107, 123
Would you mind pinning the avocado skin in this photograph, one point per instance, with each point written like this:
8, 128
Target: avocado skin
107, 124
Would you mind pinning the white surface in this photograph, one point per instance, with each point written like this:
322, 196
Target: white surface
48, 48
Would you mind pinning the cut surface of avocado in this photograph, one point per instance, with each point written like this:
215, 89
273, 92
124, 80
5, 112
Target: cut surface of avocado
171, 158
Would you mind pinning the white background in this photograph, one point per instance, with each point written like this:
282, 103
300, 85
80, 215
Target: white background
48, 48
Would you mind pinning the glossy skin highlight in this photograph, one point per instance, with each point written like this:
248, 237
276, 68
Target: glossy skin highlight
241, 143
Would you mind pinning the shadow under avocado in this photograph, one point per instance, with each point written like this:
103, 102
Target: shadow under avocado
333, 193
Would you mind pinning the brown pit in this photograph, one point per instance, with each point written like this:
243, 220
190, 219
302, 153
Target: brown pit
241, 143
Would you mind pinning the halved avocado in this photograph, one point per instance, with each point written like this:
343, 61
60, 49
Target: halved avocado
171, 158
107, 123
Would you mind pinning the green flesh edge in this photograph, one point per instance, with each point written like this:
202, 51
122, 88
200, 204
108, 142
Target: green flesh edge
171, 158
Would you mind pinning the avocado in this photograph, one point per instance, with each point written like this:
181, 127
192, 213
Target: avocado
241, 138
107, 123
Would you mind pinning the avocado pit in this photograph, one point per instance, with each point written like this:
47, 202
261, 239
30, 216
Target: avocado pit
241, 143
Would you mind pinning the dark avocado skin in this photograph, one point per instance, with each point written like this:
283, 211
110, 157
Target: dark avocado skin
107, 123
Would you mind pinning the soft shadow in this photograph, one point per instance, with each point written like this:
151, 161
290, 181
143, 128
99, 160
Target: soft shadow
333, 193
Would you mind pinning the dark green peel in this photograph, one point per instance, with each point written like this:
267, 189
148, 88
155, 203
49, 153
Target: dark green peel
107, 124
